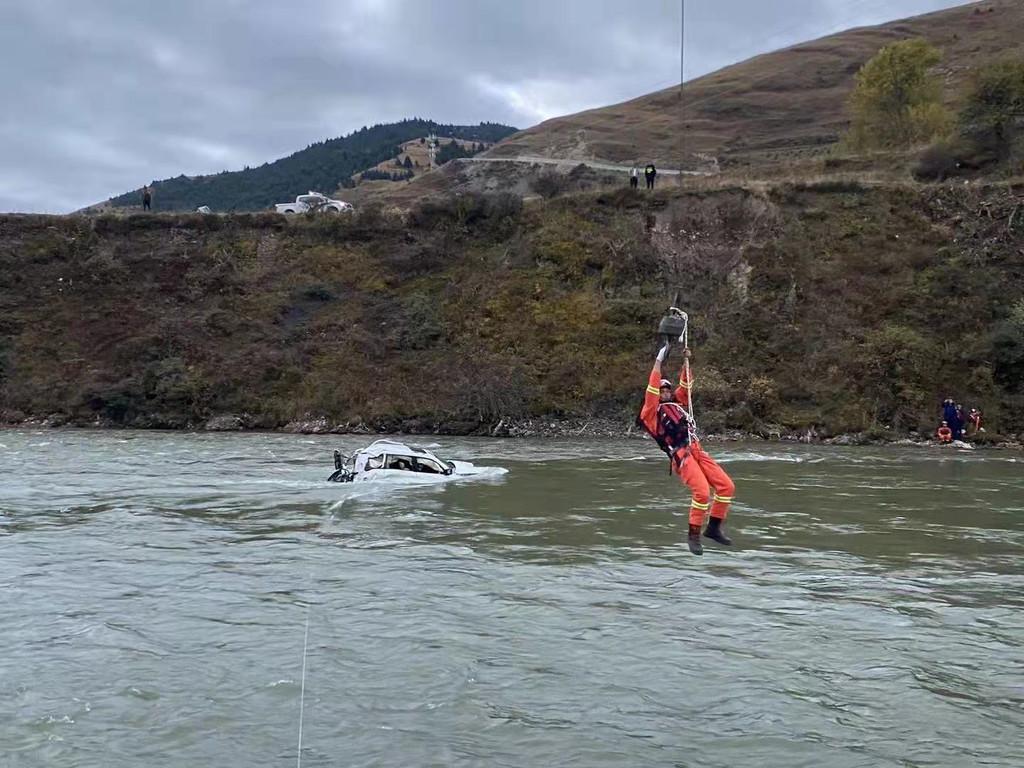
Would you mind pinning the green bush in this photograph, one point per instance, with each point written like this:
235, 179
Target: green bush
1007, 345
996, 99
481, 212
549, 184
897, 102
937, 163
894, 370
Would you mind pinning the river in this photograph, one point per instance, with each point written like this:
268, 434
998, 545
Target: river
156, 590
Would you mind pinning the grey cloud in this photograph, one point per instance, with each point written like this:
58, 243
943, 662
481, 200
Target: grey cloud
110, 94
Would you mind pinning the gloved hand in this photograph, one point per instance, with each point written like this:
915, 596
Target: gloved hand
663, 353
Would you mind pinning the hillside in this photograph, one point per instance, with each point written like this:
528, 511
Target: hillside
837, 306
323, 166
774, 108
411, 161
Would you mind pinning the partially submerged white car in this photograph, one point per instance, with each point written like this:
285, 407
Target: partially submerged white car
394, 461
314, 201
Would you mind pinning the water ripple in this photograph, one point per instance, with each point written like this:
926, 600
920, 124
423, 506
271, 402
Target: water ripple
156, 587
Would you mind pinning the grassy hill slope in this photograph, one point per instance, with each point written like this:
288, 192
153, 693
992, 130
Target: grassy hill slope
839, 306
772, 108
322, 166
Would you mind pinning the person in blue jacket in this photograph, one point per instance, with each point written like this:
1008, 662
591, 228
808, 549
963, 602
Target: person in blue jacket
950, 416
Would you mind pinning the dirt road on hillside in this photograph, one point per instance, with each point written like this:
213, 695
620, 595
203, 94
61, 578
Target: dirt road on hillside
537, 159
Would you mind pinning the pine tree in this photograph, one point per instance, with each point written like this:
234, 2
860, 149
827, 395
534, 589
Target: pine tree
319, 166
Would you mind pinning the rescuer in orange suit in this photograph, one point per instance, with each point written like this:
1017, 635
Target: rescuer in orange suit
664, 415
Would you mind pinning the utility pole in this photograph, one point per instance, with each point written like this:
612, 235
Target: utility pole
682, 46
682, 78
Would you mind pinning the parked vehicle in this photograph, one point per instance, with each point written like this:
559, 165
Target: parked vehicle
314, 201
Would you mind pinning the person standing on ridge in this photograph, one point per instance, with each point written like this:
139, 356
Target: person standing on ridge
649, 174
147, 198
634, 178
665, 417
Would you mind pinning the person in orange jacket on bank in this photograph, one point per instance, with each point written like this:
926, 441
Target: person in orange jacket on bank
944, 434
665, 416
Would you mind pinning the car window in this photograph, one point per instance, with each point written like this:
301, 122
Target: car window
400, 462
428, 465
375, 462
307, 199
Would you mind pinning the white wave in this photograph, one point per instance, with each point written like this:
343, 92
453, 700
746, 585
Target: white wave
464, 472
752, 456
372, 484
415, 517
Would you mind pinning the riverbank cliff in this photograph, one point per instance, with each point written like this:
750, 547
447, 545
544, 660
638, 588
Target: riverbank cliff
825, 310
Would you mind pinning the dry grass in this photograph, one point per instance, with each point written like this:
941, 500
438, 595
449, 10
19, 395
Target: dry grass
775, 118
780, 107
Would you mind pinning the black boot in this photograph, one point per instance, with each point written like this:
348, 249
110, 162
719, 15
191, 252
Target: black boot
715, 533
693, 540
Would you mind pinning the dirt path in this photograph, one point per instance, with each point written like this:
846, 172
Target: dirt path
537, 159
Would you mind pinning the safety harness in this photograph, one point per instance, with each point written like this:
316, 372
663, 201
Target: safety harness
675, 432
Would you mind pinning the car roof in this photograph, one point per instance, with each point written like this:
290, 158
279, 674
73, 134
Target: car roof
393, 446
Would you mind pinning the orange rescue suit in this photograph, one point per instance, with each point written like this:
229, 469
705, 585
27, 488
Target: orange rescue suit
669, 424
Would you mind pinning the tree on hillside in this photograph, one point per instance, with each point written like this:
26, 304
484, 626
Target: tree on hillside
897, 102
453, 150
995, 102
989, 130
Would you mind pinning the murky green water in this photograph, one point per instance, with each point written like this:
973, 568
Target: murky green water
155, 590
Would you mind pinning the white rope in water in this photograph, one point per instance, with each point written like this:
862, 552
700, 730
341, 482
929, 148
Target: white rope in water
302, 688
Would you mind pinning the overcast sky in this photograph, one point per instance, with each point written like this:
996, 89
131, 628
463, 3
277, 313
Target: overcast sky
101, 96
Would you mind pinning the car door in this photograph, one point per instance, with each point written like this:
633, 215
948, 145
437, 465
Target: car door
313, 202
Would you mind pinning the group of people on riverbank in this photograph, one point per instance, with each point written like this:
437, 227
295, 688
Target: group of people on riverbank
650, 173
955, 425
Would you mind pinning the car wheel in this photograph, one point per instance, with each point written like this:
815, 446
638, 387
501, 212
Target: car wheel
288, 210
331, 210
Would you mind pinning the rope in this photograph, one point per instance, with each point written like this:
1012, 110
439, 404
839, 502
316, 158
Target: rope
686, 367
302, 687
685, 337
305, 656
